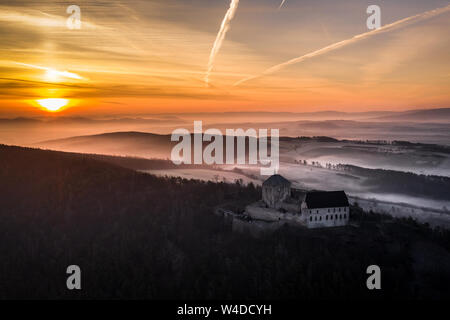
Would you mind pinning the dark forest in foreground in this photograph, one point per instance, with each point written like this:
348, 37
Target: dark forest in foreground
138, 236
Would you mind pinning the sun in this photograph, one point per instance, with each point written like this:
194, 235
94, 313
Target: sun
52, 104
51, 75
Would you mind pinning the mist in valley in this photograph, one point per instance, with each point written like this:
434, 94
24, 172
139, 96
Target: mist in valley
353, 156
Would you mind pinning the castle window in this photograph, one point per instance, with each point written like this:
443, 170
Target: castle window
339, 209
335, 217
345, 216
334, 209
328, 210
317, 211
345, 209
310, 218
340, 216
326, 217
320, 219
315, 219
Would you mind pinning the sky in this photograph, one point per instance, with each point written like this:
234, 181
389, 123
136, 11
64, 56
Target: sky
143, 57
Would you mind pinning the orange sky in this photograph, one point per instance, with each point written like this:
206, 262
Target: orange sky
141, 57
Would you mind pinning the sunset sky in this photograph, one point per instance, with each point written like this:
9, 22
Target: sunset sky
142, 57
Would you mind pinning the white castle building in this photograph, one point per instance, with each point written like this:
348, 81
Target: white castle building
315, 209
325, 209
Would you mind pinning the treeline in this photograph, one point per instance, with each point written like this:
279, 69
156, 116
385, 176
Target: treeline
398, 182
138, 236
310, 139
426, 147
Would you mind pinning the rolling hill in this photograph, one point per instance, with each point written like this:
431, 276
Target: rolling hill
137, 144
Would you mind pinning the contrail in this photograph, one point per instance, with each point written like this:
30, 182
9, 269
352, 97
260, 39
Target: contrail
281, 5
53, 71
340, 44
224, 27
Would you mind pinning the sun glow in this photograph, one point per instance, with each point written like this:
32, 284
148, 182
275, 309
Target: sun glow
52, 105
51, 75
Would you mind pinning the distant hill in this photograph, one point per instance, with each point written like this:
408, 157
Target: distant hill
426, 115
135, 144
255, 116
314, 115
18, 121
147, 145
425, 126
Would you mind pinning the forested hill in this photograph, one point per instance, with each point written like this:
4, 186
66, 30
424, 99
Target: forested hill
138, 236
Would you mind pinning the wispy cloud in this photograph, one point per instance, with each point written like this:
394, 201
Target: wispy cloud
54, 72
340, 44
224, 27
151, 55
37, 18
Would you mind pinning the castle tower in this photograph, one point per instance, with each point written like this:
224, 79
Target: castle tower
275, 190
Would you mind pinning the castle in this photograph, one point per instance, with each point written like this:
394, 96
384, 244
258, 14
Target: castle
315, 209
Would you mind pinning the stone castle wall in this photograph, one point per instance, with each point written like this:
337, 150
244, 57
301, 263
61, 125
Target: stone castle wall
258, 212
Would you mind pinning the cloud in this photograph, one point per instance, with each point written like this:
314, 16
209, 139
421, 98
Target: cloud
37, 18
224, 27
52, 72
343, 43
